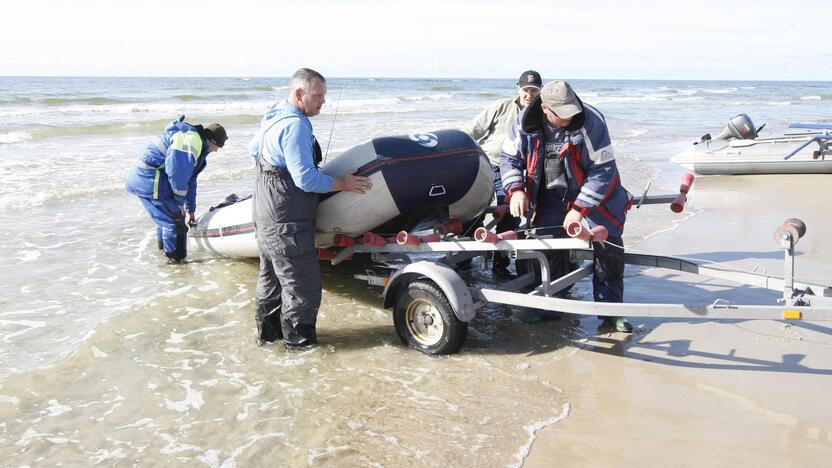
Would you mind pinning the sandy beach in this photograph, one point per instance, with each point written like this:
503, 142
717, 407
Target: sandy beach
709, 393
110, 356
173, 384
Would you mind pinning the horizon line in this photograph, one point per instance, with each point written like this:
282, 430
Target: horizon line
410, 78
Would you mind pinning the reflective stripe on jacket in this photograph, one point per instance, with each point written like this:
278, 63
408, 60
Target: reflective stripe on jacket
593, 180
169, 165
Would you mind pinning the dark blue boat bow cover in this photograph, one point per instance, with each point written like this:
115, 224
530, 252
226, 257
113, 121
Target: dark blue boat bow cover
422, 170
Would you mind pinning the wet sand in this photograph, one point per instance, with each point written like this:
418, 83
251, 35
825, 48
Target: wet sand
178, 381
708, 393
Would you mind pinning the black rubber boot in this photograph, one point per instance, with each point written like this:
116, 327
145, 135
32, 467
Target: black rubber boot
500, 264
619, 324
303, 336
267, 317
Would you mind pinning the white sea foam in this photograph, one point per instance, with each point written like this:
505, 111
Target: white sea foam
231, 462
174, 447
193, 399
729, 90
25, 326
56, 409
28, 255
103, 455
9, 399
15, 137
811, 98
313, 457
28, 436
534, 428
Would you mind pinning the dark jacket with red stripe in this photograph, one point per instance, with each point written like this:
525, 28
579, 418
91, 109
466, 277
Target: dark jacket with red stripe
594, 184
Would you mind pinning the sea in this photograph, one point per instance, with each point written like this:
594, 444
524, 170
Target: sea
108, 355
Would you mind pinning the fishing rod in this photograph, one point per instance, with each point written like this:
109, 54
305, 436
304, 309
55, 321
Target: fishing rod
331, 129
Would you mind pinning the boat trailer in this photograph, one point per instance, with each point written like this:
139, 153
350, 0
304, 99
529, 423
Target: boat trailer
432, 304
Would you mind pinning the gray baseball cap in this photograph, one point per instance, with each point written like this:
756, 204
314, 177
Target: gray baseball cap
560, 99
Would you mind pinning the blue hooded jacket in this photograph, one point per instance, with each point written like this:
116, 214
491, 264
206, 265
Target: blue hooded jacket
285, 140
169, 165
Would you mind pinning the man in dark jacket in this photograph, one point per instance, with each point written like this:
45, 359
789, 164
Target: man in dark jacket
489, 129
558, 167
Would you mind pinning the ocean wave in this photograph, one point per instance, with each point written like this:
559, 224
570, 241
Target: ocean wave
15, 202
102, 182
118, 128
624, 99
271, 88
213, 97
634, 132
427, 97
15, 101
814, 97
759, 103
125, 112
268, 88
93, 101
14, 137
729, 90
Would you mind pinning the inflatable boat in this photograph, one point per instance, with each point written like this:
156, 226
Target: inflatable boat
418, 180
803, 149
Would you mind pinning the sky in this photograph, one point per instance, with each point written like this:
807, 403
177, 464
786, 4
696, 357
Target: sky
598, 39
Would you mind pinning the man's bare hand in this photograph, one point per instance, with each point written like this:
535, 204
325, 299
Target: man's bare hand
354, 183
519, 204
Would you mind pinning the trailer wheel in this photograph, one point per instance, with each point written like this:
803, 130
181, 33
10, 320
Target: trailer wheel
425, 320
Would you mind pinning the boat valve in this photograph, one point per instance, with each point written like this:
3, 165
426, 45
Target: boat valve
452, 227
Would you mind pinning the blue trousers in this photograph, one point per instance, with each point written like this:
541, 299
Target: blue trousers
171, 229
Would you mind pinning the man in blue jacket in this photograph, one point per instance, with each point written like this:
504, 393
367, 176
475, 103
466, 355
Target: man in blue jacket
164, 179
558, 167
285, 206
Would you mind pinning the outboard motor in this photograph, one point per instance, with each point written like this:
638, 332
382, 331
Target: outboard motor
740, 127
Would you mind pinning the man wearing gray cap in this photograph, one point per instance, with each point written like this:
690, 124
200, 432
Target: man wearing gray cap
489, 129
562, 148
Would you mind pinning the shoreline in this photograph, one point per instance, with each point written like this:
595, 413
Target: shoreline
685, 392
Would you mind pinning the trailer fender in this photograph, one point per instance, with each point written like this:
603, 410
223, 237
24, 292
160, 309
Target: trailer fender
455, 289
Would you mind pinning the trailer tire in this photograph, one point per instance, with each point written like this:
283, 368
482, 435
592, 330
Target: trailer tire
425, 320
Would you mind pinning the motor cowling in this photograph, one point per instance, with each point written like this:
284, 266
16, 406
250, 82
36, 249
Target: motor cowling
740, 127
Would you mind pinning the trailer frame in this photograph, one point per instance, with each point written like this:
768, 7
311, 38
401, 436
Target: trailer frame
423, 322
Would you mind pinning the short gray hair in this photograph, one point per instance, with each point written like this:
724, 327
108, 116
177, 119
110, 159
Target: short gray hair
303, 78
